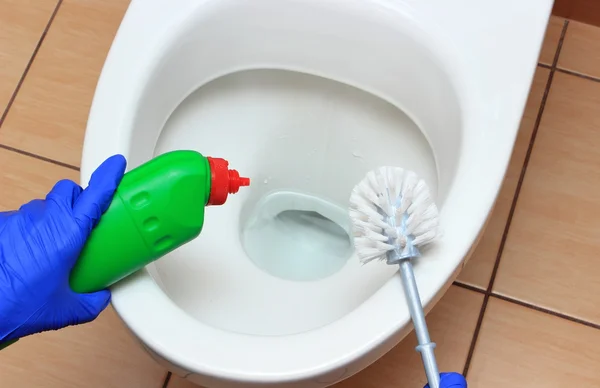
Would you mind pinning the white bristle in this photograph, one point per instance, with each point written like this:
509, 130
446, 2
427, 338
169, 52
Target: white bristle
391, 192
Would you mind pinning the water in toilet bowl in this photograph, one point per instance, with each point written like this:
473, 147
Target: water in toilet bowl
297, 236
278, 259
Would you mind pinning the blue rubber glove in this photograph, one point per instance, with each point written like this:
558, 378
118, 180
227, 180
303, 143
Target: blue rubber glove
451, 380
39, 245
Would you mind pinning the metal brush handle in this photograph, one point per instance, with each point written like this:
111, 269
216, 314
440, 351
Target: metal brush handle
425, 346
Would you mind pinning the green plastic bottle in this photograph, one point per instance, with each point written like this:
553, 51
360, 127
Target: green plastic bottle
157, 207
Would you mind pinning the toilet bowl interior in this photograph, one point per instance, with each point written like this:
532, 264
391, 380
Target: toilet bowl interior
304, 100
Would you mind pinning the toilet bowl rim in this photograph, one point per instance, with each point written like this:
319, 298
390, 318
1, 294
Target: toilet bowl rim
355, 338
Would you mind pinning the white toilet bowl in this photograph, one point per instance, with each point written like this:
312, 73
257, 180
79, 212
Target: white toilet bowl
305, 97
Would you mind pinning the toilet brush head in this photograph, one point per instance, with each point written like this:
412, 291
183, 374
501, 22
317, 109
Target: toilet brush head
391, 209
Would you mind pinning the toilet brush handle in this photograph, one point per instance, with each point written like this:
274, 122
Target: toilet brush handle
415, 307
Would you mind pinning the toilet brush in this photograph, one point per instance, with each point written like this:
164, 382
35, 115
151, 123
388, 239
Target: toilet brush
392, 215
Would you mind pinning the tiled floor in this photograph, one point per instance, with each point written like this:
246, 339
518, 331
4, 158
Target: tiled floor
525, 312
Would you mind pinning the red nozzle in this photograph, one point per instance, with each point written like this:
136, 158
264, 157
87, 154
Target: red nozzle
223, 181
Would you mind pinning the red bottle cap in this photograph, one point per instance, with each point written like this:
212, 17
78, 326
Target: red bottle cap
223, 181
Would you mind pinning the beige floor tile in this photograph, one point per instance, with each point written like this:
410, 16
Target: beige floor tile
50, 112
23, 178
451, 324
99, 355
478, 270
551, 254
22, 23
553, 32
520, 347
581, 49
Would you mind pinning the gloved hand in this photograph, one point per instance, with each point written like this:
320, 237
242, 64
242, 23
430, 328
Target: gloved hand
451, 380
39, 245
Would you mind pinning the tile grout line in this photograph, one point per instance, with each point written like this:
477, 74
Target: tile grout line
545, 311
571, 72
39, 157
527, 305
580, 75
30, 62
167, 380
538, 119
468, 287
